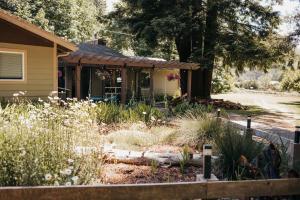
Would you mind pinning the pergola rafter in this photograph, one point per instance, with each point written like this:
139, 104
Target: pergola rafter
87, 57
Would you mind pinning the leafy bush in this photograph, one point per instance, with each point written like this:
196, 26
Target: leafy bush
113, 113
290, 80
236, 151
38, 144
222, 81
191, 109
248, 84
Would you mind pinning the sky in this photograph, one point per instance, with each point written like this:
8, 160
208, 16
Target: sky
287, 8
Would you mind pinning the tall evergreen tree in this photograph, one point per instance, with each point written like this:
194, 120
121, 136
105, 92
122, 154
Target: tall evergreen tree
235, 31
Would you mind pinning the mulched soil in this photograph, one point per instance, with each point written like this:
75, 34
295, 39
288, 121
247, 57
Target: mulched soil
132, 174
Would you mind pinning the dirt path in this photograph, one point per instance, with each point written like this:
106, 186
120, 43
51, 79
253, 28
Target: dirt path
282, 111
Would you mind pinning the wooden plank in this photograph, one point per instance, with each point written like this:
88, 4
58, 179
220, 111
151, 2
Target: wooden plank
189, 190
189, 85
124, 85
253, 188
108, 192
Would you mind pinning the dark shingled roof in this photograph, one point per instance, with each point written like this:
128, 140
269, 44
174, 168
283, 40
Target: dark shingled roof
94, 53
88, 48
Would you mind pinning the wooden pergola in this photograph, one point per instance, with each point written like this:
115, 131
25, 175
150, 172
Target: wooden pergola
79, 59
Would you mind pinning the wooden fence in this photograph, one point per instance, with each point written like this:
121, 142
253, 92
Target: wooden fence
190, 190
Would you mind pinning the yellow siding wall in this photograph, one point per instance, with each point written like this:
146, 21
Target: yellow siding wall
39, 77
162, 85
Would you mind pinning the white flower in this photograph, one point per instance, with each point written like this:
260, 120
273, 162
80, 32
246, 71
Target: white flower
70, 160
68, 183
47, 105
56, 183
21, 93
48, 177
23, 153
68, 171
144, 113
40, 100
75, 179
16, 94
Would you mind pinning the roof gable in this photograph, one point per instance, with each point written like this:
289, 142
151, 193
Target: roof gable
23, 24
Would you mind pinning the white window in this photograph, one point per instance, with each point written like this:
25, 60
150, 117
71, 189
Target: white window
11, 65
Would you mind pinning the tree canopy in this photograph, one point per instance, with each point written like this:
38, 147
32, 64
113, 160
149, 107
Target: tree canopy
74, 19
239, 33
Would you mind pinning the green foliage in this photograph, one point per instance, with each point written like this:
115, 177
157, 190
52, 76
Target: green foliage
249, 84
222, 81
74, 19
191, 109
185, 157
40, 145
112, 113
236, 152
291, 81
154, 166
198, 130
242, 42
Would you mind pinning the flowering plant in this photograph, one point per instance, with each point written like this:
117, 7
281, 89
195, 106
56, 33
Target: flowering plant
172, 77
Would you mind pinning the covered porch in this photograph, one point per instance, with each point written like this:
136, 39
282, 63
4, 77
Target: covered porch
112, 76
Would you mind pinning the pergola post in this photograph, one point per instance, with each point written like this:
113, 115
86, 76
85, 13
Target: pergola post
124, 84
152, 85
189, 85
78, 81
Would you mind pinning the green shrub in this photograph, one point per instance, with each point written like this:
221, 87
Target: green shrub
232, 147
290, 80
191, 109
222, 81
249, 84
38, 144
113, 113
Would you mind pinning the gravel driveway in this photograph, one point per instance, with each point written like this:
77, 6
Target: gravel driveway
282, 110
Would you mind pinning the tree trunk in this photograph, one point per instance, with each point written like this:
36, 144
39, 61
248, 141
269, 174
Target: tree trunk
184, 51
210, 39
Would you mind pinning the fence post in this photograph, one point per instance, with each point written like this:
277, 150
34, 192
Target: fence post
249, 131
296, 149
297, 135
219, 115
207, 152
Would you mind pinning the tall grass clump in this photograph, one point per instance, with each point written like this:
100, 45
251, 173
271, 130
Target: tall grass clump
236, 152
113, 113
42, 144
196, 130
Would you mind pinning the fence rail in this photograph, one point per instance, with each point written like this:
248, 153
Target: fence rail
190, 190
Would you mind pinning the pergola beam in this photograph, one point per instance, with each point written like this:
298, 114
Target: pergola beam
78, 81
124, 84
151, 90
189, 85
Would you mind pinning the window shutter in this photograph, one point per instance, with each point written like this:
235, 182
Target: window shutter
11, 65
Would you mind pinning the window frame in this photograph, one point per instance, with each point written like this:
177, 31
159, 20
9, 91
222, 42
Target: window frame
24, 65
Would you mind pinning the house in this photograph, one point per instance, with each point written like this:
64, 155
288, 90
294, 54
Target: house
98, 72
28, 58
